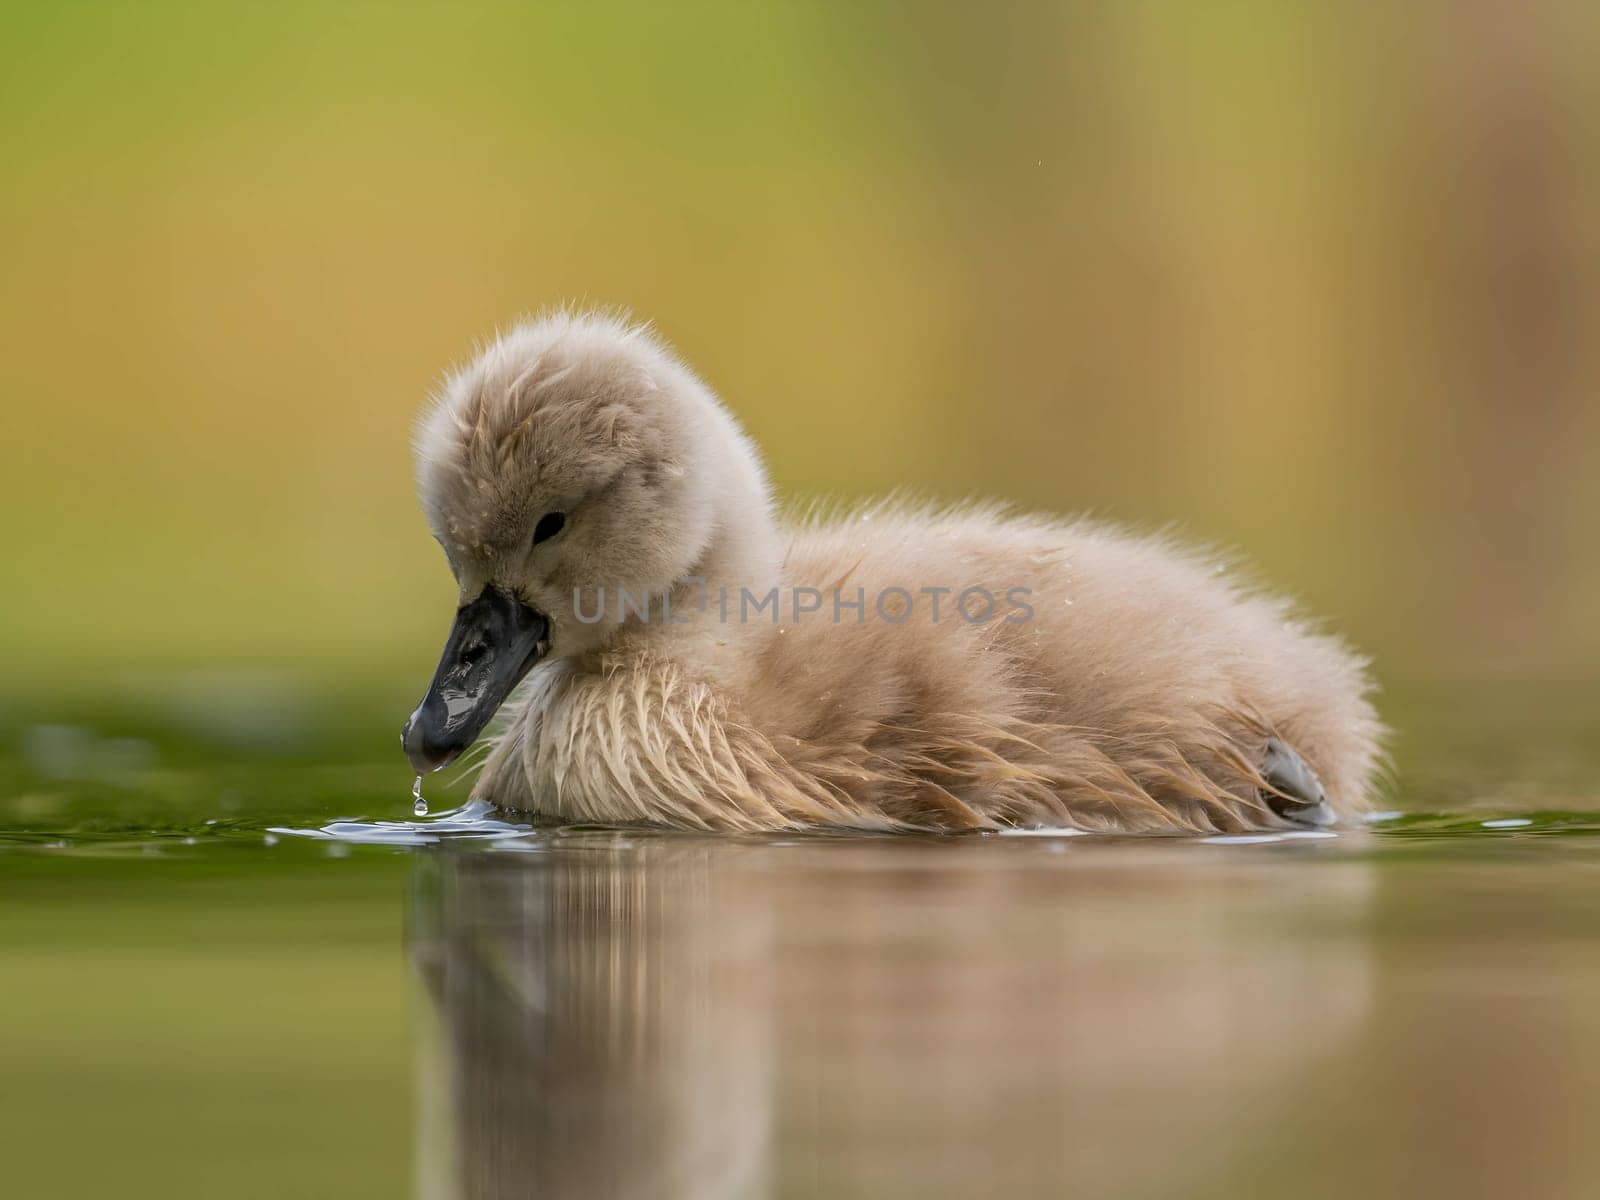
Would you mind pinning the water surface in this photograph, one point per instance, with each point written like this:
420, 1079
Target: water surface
210, 983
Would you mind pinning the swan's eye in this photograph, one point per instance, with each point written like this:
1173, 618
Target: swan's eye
549, 525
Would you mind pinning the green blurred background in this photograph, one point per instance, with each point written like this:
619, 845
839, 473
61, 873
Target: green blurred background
1316, 282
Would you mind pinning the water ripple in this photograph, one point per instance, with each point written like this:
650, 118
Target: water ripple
476, 820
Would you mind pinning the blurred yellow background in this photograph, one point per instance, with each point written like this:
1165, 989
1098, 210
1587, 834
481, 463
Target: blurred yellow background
1317, 283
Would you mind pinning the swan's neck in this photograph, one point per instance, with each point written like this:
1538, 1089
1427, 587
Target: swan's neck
709, 628
705, 625
744, 559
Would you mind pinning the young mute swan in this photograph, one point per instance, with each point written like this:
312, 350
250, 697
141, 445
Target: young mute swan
690, 661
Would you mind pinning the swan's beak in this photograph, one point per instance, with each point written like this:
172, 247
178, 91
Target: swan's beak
492, 645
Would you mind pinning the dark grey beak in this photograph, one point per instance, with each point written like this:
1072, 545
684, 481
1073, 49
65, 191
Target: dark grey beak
494, 642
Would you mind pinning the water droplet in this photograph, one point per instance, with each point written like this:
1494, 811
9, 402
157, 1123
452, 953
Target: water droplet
420, 808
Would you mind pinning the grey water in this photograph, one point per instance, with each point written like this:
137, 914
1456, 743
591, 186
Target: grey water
265, 980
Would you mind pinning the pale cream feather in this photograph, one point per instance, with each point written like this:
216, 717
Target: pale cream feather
1138, 698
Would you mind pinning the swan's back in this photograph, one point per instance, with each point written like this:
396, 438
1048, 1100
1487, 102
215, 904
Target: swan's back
1099, 646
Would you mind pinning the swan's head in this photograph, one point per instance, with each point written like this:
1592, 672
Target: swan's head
575, 454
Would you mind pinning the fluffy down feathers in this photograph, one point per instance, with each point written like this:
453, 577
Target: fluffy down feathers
1132, 689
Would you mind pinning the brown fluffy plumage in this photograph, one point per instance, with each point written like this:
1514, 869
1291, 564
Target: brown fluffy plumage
1138, 696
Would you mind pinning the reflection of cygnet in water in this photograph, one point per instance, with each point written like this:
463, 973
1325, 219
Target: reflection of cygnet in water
678, 1016
601, 1023
1104, 1021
